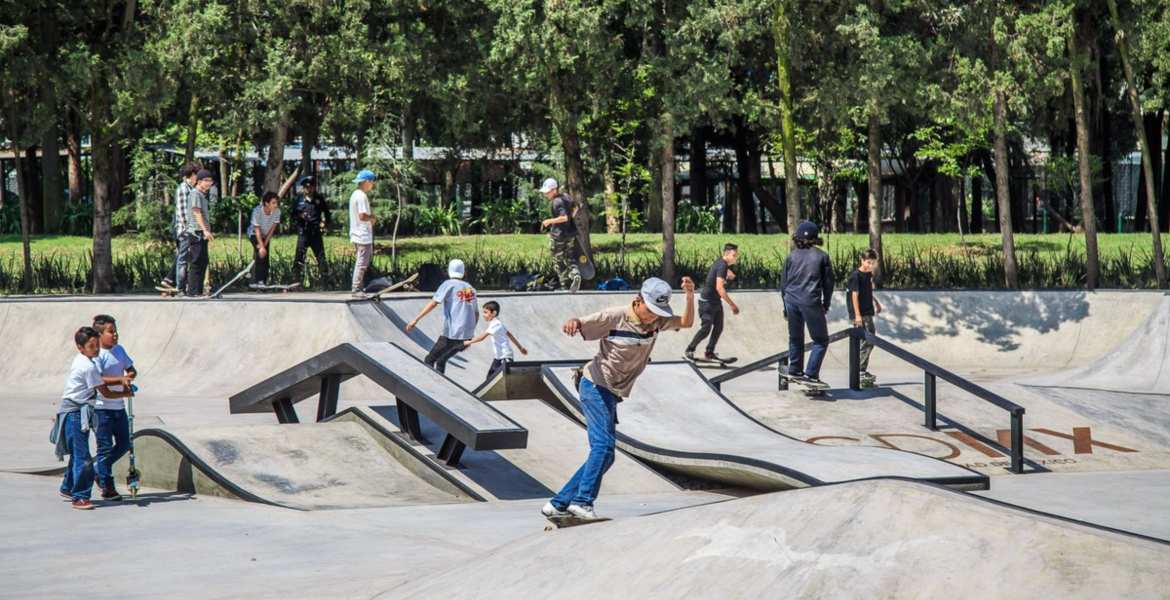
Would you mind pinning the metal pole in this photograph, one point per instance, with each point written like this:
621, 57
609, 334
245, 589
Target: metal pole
930, 385
855, 358
1017, 441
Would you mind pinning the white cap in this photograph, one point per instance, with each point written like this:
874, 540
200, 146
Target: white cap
656, 294
549, 185
455, 269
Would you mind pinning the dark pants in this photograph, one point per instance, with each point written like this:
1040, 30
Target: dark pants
814, 317
196, 264
113, 440
260, 270
711, 316
309, 238
78, 481
497, 366
442, 352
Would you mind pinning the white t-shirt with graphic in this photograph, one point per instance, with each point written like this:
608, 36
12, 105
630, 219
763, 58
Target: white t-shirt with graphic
501, 345
360, 232
460, 309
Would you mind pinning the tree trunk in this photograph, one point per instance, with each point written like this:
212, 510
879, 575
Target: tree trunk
743, 188
574, 165
1164, 203
612, 209
977, 204
1002, 194
654, 198
274, 167
104, 190
51, 190
861, 210
699, 167
1153, 124
25, 215
840, 193
33, 187
874, 177
781, 33
1089, 215
668, 204
193, 130
73, 145
1135, 105
409, 130
310, 131
765, 197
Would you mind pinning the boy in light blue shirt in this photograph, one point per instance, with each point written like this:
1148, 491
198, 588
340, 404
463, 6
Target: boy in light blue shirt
460, 314
113, 426
75, 415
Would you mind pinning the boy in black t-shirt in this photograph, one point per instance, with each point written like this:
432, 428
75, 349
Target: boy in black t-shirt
711, 300
863, 306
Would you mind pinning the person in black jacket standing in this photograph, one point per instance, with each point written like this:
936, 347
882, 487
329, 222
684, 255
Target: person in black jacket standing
311, 215
806, 288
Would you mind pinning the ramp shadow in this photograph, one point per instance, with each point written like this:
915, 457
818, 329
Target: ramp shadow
488, 468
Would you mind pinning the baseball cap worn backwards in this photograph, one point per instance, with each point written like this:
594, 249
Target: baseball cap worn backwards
807, 230
656, 294
549, 185
365, 175
456, 269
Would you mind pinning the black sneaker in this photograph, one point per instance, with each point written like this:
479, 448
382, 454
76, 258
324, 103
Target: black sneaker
689, 355
111, 494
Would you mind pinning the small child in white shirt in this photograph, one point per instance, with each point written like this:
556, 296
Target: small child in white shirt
502, 339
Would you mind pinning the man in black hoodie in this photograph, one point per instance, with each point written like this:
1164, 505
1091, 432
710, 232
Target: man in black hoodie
806, 288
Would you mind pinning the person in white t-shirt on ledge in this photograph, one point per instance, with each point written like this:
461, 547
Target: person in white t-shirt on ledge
502, 339
361, 229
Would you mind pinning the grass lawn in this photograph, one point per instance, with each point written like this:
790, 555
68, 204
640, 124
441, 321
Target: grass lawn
638, 245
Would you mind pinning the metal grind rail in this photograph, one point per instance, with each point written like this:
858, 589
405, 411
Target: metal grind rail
931, 374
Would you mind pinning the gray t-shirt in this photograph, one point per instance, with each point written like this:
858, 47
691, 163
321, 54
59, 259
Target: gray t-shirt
460, 309
198, 200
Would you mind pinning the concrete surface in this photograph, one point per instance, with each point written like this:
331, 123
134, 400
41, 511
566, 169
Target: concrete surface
874, 539
675, 419
181, 546
305, 466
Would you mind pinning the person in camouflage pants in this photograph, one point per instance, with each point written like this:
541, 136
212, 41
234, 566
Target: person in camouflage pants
562, 236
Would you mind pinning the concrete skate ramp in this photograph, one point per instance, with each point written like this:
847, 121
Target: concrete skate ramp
339, 464
872, 539
674, 418
1139, 365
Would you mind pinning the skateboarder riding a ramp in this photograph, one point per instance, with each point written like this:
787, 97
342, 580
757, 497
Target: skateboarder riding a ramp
627, 335
806, 287
711, 300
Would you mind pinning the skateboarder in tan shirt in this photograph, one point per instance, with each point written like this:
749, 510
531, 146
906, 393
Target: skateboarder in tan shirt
627, 335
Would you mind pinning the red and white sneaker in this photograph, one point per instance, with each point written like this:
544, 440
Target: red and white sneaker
81, 504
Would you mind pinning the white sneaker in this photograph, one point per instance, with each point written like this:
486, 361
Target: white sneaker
551, 511
582, 512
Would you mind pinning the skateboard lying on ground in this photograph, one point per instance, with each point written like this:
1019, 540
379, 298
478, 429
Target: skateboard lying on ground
167, 291
812, 390
571, 521
376, 296
274, 288
712, 362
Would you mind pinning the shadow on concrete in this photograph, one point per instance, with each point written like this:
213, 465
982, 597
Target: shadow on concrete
496, 474
996, 318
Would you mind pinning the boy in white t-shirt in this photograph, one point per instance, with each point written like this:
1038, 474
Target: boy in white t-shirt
75, 416
502, 339
361, 228
113, 425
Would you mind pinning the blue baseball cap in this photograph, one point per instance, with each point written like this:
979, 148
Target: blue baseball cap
365, 175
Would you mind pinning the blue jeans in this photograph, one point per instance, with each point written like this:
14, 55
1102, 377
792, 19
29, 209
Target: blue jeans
813, 316
113, 440
78, 480
600, 408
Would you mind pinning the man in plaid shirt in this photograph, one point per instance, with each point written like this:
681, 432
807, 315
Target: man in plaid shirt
182, 206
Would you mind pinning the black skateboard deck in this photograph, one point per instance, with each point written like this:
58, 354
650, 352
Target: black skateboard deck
581, 219
248, 269
808, 389
397, 286
571, 521
709, 362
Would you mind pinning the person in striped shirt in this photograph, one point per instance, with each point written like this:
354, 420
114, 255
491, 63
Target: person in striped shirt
265, 218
